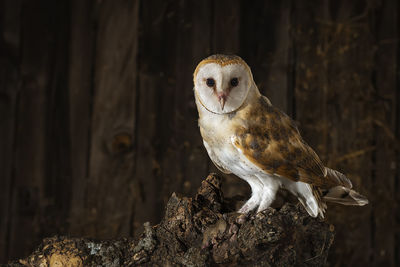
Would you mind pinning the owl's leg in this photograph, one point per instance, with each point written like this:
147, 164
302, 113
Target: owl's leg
256, 195
270, 188
255, 199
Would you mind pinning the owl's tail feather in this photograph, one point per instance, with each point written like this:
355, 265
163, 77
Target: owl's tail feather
345, 196
337, 178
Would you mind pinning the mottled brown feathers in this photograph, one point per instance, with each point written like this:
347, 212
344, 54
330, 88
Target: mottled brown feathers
318, 194
225, 59
272, 142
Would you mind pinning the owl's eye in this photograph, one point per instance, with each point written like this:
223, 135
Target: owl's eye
210, 82
234, 82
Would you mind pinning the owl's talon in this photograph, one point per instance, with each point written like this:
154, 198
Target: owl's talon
242, 218
233, 229
247, 207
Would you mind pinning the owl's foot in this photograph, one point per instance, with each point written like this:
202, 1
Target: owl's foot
235, 226
250, 205
263, 206
242, 218
247, 208
235, 218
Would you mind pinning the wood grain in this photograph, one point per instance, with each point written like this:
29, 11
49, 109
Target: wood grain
263, 21
9, 76
80, 80
384, 79
40, 189
110, 193
152, 83
333, 106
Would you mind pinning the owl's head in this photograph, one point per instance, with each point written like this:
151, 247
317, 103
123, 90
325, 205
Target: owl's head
222, 82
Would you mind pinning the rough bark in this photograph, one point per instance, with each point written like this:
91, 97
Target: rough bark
201, 231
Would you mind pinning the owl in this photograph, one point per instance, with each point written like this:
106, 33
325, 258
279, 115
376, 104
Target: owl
246, 135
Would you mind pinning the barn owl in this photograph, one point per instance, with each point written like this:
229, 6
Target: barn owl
247, 136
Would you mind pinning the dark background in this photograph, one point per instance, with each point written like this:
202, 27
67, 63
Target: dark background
99, 126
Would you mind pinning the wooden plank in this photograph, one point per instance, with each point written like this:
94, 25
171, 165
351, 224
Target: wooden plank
183, 161
334, 58
37, 209
146, 167
397, 158
265, 44
168, 124
226, 18
110, 193
157, 166
29, 149
383, 197
57, 183
9, 75
81, 66
397, 155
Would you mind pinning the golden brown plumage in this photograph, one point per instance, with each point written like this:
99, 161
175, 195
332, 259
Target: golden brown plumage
273, 143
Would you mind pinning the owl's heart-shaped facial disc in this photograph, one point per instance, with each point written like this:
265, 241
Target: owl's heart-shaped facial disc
222, 85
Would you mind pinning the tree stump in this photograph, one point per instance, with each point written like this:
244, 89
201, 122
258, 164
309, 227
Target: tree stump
199, 231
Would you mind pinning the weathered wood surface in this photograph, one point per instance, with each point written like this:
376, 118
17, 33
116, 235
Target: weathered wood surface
38, 188
9, 76
81, 56
198, 232
108, 200
99, 127
335, 121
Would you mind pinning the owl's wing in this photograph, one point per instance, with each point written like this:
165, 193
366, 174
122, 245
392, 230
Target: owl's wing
274, 144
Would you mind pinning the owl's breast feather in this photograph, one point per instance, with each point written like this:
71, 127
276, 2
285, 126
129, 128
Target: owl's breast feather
218, 143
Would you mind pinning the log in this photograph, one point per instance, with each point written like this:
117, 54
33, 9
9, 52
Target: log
201, 231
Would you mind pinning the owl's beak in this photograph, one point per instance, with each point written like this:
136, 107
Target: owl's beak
222, 100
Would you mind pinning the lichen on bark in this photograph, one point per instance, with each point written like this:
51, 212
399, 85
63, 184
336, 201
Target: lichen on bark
201, 231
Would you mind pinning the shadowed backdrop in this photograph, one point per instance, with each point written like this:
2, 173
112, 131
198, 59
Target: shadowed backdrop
98, 124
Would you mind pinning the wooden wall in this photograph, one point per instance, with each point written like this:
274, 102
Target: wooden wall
98, 123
